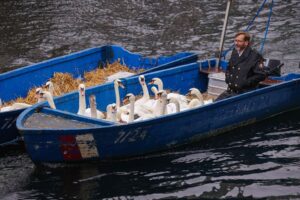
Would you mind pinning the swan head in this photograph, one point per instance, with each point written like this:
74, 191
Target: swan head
194, 92
112, 108
92, 99
162, 95
47, 95
129, 98
172, 100
142, 79
37, 92
159, 93
155, 81
118, 83
49, 84
81, 89
43, 94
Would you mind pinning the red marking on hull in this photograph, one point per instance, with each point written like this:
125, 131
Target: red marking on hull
69, 148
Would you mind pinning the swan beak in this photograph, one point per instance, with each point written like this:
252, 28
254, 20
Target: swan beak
121, 85
114, 108
37, 94
159, 95
81, 91
151, 82
41, 94
126, 100
189, 93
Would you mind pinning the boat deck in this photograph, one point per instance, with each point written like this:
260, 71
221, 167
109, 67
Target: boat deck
47, 121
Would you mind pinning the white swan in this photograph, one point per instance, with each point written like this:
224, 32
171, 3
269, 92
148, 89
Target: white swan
146, 95
181, 98
122, 111
132, 116
175, 102
111, 112
199, 100
16, 106
94, 113
47, 95
82, 101
167, 107
161, 103
117, 84
122, 115
82, 110
37, 94
195, 102
144, 105
155, 91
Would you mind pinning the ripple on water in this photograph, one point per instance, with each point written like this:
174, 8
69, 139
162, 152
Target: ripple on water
15, 170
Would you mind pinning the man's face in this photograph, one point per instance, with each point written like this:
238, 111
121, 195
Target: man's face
240, 43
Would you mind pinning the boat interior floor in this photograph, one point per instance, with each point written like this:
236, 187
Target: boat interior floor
48, 121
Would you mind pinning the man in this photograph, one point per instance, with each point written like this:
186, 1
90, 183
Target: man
245, 68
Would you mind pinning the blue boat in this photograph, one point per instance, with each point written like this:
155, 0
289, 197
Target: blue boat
76, 64
61, 136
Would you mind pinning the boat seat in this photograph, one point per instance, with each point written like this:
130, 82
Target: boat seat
273, 67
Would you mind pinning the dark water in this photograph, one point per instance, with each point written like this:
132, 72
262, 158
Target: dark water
260, 161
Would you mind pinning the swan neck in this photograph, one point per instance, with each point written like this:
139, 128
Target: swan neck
131, 113
82, 104
114, 116
51, 90
145, 91
160, 85
51, 102
93, 110
117, 93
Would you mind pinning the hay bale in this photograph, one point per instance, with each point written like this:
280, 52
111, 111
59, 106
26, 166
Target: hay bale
65, 83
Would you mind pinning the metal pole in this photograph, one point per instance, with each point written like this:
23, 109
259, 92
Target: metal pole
223, 33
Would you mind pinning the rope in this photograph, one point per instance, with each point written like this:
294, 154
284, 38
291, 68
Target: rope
267, 28
224, 53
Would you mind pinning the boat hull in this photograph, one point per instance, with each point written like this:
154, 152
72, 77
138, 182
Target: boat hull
108, 141
76, 64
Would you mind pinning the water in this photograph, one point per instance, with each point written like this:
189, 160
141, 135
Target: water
257, 161
260, 161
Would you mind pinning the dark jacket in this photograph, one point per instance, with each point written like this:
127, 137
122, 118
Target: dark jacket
244, 73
